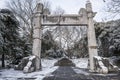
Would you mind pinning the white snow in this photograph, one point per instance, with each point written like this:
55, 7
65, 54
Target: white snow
98, 57
80, 71
47, 68
81, 62
31, 58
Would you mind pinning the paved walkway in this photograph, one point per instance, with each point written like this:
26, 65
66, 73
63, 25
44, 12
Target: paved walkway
68, 73
65, 73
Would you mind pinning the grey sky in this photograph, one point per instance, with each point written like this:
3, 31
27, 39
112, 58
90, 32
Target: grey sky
2, 3
73, 6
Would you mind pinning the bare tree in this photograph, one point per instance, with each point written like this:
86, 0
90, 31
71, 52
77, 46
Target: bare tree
58, 11
24, 11
113, 6
67, 36
58, 29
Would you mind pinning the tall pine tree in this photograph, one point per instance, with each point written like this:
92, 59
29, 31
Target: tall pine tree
9, 34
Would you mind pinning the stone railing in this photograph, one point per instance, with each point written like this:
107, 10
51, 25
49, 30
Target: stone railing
103, 65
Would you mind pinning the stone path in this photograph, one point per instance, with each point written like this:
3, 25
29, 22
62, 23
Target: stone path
65, 73
68, 73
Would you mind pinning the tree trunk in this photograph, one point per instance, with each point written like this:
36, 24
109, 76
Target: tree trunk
3, 60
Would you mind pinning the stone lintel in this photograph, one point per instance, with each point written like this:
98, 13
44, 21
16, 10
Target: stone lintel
64, 15
63, 24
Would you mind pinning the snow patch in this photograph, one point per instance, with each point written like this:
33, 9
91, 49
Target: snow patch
81, 62
98, 57
31, 58
79, 71
47, 68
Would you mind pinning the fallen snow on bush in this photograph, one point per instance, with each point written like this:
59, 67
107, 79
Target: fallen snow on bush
47, 68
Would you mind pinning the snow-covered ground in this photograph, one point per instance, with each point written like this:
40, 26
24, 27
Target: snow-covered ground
47, 68
81, 63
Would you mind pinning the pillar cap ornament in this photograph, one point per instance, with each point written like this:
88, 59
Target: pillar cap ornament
89, 6
88, 1
39, 8
38, 1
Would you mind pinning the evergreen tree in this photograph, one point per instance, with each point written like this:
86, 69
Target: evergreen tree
108, 36
9, 34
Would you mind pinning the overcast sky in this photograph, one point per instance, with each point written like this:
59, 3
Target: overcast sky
73, 6
2, 3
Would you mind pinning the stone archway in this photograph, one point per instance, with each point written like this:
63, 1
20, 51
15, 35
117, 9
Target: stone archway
84, 18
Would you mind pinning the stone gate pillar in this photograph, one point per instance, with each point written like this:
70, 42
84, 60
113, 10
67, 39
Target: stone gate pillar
37, 33
92, 46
